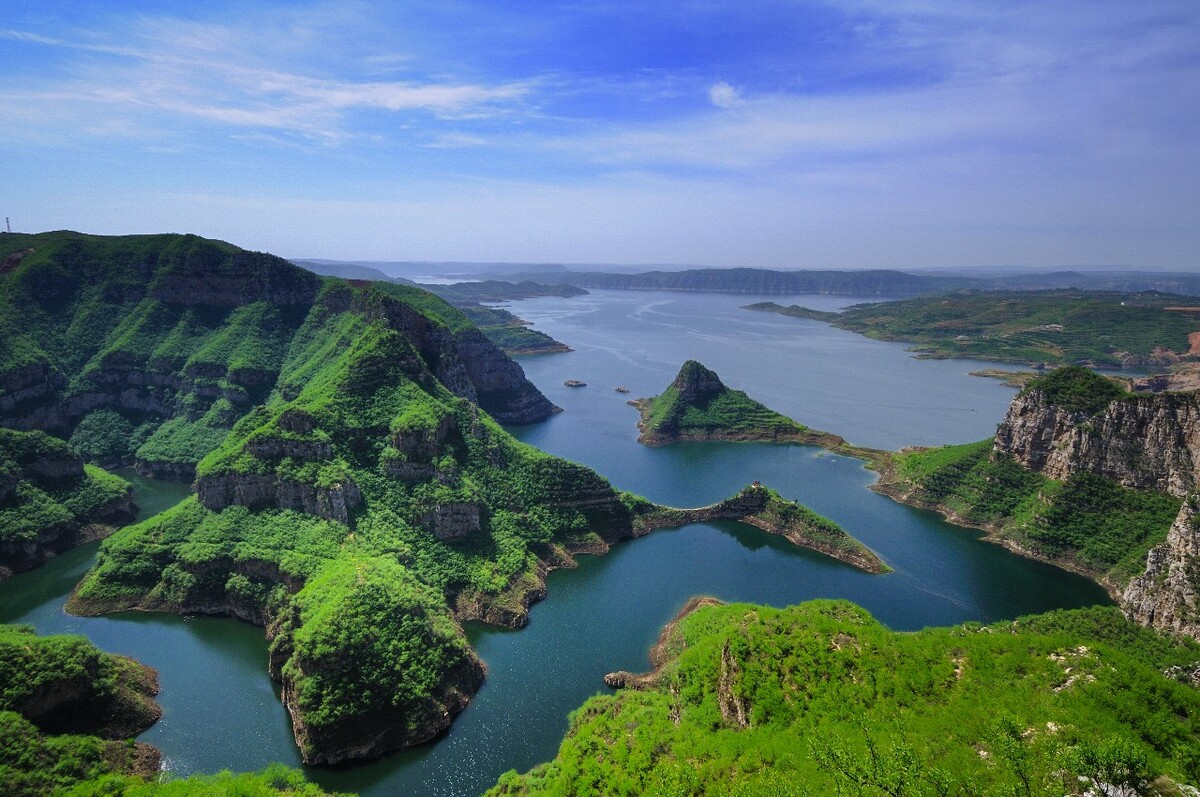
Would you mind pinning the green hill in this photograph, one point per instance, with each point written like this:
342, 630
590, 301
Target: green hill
1047, 327
698, 406
821, 699
51, 501
354, 493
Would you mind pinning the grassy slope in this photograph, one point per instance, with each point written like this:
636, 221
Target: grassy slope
67, 714
1086, 522
394, 643
821, 699
1101, 328
83, 307
510, 333
63, 705
35, 503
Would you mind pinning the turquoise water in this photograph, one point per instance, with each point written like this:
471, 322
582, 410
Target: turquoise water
221, 710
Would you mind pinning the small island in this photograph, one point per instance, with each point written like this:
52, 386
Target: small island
698, 406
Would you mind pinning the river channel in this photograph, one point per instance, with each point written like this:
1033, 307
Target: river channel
222, 712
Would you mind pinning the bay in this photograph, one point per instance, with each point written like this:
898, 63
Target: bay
221, 710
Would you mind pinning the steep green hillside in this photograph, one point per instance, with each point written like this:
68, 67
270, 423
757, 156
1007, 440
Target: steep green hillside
1053, 327
354, 495
820, 699
1085, 521
698, 406
66, 709
50, 500
150, 348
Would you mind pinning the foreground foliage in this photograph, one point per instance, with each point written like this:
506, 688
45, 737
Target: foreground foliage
274, 781
821, 699
66, 709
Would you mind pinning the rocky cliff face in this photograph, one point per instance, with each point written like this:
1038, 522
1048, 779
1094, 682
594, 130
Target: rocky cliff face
1167, 595
1141, 441
268, 490
1147, 441
471, 366
694, 381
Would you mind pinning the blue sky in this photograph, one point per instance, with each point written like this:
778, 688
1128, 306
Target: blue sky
789, 134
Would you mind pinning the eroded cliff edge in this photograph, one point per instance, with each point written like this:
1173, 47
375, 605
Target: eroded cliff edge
1085, 474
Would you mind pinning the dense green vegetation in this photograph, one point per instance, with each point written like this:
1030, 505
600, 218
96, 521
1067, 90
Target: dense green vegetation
820, 699
274, 781
47, 493
510, 333
67, 715
346, 498
1086, 520
1047, 326
33, 764
698, 406
64, 684
1077, 389
66, 709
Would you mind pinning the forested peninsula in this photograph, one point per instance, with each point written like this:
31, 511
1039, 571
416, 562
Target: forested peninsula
1042, 327
822, 699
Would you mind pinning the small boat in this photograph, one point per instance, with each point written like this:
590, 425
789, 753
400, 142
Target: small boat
622, 389
575, 383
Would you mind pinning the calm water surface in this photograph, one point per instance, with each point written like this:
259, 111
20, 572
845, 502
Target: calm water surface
222, 712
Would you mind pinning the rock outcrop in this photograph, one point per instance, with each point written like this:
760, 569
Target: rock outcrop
268, 490
1167, 595
1144, 441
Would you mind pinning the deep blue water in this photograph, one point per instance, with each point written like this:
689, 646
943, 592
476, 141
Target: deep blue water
222, 712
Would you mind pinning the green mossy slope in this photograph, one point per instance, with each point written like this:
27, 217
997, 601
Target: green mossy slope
50, 500
360, 513
65, 709
148, 349
821, 699
1086, 522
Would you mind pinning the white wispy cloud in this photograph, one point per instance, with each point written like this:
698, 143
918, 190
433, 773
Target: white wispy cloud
229, 76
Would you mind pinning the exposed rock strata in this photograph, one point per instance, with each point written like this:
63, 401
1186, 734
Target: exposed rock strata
263, 490
58, 466
1141, 441
1167, 595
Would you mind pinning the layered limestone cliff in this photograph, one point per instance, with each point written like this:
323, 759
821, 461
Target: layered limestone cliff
1167, 595
1144, 441
1072, 423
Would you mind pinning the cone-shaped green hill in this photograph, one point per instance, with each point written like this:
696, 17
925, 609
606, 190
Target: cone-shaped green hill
698, 406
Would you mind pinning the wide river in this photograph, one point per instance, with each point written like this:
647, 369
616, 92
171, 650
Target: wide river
222, 712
